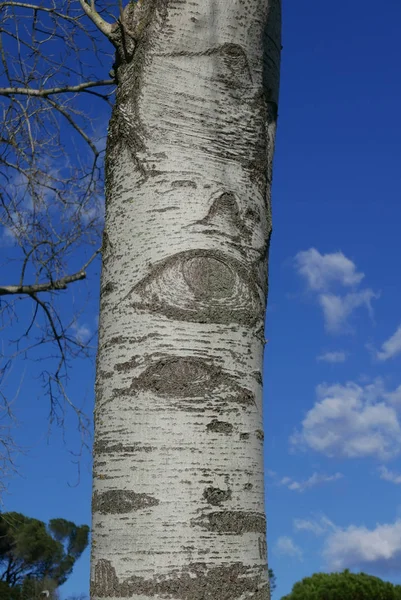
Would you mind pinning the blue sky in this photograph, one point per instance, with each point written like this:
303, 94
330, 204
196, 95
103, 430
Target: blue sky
333, 361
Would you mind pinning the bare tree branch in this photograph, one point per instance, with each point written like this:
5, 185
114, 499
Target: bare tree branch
59, 284
89, 9
52, 144
60, 90
36, 7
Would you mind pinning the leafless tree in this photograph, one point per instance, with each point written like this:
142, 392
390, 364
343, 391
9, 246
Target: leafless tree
54, 104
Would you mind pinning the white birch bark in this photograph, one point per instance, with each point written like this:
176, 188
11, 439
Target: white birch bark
178, 504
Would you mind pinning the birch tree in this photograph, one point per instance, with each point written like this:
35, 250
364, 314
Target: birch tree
178, 499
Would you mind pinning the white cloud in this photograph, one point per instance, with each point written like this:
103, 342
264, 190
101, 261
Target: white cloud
337, 309
391, 347
351, 421
317, 527
17, 227
322, 270
394, 397
332, 357
362, 548
8, 237
315, 479
93, 211
285, 546
82, 332
388, 475
358, 547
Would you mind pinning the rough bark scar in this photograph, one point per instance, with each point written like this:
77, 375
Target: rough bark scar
232, 67
235, 522
217, 426
260, 435
121, 501
197, 581
224, 218
238, 73
216, 496
201, 286
194, 380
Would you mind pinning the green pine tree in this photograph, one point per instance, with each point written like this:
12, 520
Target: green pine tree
35, 556
343, 586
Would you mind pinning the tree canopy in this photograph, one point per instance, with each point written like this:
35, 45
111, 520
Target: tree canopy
32, 550
272, 581
343, 586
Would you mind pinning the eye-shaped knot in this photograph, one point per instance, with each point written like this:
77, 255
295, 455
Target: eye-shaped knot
203, 286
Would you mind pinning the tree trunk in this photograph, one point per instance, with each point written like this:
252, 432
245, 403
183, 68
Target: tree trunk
178, 503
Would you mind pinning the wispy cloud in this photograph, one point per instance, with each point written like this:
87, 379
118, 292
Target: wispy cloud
375, 549
17, 227
394, 397
337, 309
325, 275
332, 357
359, 547
388, 475
390, 347
285, 546
312, 481
318, 526
82, 332
93, 211
351, 421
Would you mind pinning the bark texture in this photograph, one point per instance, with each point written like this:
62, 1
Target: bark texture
178, 503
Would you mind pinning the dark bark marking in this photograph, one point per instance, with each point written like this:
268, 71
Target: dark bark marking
180, 376
205, 286
260, 434
128, 365
262, 548
121, 501
232, 521
209, 276
126, 130
244, 436
105, 583
116, 340
258, 376
272, 51
100, 447
217, 426
108, 288
237, 70
163, 210
192, 379
197, 581
224, 218
184, 183
216, 496
231, 66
